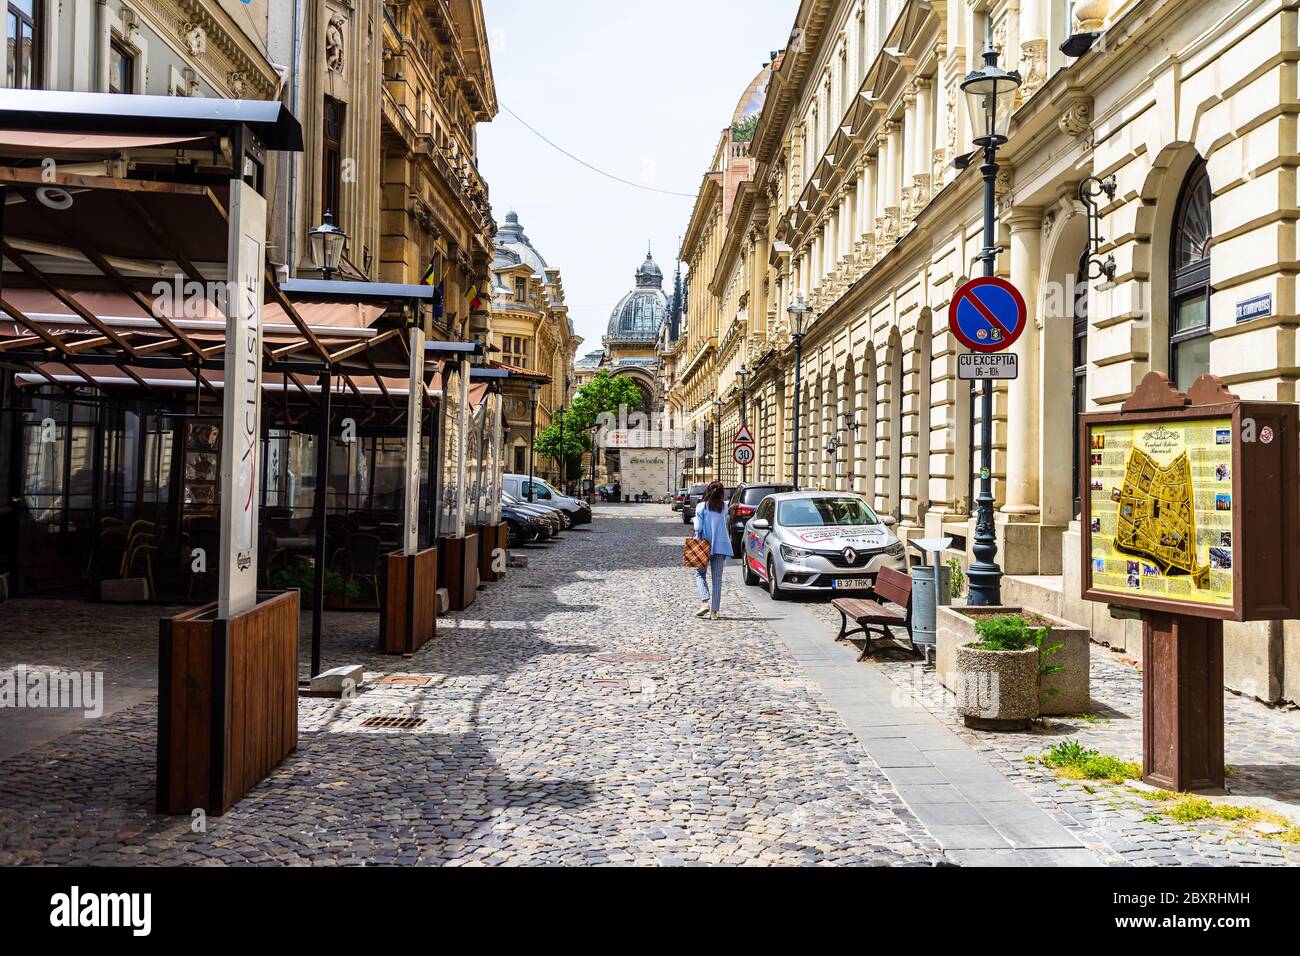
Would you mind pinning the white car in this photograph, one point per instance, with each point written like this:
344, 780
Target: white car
818, 541
575, 511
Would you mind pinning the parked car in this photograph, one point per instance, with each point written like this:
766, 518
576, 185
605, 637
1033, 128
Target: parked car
818, 541
523, 527
680, 498
575, 511
742, 504
552, 516
693, 496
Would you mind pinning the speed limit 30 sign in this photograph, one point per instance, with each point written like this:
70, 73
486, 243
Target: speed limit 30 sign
743, 454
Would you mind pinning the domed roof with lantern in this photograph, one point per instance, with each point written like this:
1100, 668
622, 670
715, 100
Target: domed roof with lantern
641, 313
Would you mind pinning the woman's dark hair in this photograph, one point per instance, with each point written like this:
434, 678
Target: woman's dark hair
713, 496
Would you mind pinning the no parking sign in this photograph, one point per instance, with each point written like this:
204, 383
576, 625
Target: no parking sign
987, 314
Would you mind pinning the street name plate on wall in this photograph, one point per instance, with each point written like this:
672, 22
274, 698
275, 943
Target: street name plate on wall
414, 423
242, 408
1255, 307
982, 365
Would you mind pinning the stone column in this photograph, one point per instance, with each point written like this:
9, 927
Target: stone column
1022, 415
867, 231
908, 134
1033, 47
924, 144
896, 176
1017, 526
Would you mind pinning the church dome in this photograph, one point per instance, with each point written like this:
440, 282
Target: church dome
511, 238
642, 312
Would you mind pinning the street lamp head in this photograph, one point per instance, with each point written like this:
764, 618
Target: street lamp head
990, 97
742, 373
534, 389
327, 242
797, 311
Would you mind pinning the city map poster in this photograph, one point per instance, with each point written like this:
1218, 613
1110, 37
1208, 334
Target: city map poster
1161, 510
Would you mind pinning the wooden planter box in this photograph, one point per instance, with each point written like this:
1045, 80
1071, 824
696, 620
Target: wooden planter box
227, 701
458, 560
492, 541
409, 615
955, 629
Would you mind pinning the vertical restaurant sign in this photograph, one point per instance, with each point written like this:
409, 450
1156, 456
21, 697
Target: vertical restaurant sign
414, 419
242, 409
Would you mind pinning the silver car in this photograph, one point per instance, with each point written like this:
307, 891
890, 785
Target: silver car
818, 541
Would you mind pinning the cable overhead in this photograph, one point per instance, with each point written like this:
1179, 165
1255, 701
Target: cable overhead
583, 162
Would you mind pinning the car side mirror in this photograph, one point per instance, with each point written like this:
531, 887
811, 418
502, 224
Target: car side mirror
888, 520
760, 524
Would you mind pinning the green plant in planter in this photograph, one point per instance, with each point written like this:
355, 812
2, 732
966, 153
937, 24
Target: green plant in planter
1010, 632
302, 575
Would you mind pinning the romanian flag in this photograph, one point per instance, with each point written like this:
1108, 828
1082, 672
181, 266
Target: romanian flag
429, 277
472, 295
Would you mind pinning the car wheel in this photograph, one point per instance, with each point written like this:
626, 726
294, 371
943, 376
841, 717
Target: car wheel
751, 579
512, 535
773, 588
566, 519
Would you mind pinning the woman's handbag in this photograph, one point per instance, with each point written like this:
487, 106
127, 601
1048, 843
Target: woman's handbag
695, 553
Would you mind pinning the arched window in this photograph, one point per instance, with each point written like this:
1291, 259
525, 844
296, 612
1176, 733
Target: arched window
1189, 281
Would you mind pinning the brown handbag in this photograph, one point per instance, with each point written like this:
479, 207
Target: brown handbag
695, 553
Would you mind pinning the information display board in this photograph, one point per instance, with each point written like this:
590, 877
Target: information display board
1189, 504
1160, 497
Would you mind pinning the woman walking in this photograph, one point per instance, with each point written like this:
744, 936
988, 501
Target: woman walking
711, 526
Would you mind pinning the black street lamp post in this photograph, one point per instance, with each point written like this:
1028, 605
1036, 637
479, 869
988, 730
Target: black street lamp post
797, 311
717, 438
990, 96
533, 389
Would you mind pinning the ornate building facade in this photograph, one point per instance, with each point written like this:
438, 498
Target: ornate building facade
865, 206
434, 212
532, 329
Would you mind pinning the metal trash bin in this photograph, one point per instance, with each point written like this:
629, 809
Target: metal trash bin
931, 587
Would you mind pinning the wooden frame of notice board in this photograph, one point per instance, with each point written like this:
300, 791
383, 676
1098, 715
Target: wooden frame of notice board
1261, 494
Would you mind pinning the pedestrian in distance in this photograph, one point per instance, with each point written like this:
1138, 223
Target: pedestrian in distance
711, 526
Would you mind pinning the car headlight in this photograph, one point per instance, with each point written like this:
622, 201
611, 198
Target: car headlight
895, 550
790, 553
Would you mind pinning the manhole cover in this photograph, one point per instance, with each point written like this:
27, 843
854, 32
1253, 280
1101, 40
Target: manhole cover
405, 680
392, 723
631, 658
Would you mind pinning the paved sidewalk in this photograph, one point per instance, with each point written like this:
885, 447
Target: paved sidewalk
977, 815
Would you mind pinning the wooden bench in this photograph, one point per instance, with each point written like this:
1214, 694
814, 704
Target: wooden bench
872, 613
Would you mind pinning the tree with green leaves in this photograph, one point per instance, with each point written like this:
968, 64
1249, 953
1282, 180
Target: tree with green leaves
604, 394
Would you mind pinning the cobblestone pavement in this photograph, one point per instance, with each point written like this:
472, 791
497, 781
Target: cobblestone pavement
1120, 825
540, 744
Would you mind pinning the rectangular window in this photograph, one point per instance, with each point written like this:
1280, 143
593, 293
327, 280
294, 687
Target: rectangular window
121, 68
332, 159
25, 29
521, 290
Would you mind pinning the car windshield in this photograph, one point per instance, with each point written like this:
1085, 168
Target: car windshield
757, 493
821, 512
698, 489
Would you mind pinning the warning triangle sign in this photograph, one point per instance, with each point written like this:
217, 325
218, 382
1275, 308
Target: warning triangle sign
744, 436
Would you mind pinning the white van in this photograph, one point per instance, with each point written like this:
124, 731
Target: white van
575, 511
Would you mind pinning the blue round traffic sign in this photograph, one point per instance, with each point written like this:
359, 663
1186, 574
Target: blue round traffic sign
987, 314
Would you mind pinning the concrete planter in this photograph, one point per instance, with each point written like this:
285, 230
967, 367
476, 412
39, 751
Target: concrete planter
997, 690
1073, 683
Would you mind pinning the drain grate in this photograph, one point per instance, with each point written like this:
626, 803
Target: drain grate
632, 658
405, 680
392, 723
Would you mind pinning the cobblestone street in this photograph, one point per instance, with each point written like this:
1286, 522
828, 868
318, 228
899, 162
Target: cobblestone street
577, 713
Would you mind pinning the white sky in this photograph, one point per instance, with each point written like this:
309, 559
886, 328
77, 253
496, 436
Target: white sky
641, 90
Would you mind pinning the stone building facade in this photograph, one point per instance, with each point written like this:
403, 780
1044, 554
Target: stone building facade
532, 329
865, 207
437, 87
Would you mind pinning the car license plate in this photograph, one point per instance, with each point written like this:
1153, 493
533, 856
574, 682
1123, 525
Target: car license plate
850, 584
